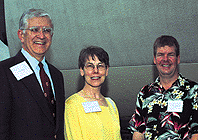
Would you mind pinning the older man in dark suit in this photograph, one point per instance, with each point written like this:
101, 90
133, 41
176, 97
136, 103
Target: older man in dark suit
31, 89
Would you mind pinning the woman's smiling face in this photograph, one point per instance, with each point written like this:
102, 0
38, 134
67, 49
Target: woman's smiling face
94, 72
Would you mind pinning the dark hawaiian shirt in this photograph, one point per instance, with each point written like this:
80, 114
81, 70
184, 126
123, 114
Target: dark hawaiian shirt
152, 118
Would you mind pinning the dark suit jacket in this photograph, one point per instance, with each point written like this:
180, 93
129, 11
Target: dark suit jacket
24, 114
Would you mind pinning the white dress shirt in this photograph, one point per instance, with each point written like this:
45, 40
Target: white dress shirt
34, 64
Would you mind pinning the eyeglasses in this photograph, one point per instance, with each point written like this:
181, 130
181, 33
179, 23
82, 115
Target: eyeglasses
36, 30
91, 67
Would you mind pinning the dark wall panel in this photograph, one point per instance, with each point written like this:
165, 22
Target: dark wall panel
2, 23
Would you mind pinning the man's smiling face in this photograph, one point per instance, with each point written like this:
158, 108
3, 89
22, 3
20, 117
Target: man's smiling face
37, 44
167, 61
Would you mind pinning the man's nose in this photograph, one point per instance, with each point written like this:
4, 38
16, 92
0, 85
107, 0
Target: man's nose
165, 58
96, 69
41, 34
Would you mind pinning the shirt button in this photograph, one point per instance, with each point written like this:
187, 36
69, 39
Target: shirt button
47, 84
52, 101
45, 94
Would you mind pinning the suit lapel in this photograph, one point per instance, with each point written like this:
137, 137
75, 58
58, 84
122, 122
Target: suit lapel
55, 80
34, 88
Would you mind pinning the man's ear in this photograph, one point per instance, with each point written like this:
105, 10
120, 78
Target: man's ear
178, 59
154, 59
82, 73
107, 70
21, 35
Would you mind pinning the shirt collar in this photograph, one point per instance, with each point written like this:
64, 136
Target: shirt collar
33, 61
180, 80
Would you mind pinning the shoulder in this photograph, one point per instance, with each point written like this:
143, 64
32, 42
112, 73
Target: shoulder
192, 86
74, 103
7, 63
112, 106
110, 101
187, 82
75, 98
148, 90
53, 68
148, 87
55, 73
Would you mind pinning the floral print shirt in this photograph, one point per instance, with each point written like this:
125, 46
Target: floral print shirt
152, 117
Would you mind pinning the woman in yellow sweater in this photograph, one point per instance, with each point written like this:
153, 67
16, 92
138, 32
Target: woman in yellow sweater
88, 114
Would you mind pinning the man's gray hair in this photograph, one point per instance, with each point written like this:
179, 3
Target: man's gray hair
30, 13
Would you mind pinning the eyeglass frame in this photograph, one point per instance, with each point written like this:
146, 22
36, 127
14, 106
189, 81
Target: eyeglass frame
39, 27
97, 66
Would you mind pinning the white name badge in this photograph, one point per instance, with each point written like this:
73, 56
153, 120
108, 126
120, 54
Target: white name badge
92, 106
175, 106
21, 70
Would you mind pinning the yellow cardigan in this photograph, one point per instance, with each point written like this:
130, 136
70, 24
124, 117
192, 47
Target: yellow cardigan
79, 125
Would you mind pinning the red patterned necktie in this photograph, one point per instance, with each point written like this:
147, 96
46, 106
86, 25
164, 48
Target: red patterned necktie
47, 89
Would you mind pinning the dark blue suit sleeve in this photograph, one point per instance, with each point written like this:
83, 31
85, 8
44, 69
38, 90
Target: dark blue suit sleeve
5, 105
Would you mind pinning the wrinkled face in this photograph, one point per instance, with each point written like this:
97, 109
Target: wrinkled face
167, 61
94, 72
36, 43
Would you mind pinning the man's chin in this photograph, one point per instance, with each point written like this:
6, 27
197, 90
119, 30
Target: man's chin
168, 74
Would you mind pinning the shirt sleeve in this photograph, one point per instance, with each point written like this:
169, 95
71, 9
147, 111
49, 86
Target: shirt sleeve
5, 105
117, 114
137, 122
113, 106
115, 110
194, 119
72, 129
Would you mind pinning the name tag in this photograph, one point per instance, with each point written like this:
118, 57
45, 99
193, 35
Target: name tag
21, 70
175, 106
90, 107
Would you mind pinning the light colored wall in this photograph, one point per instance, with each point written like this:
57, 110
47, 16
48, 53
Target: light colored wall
126, 29
4, 51
123, 83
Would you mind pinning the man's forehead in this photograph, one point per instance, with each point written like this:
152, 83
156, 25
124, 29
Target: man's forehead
166, 48
39, 21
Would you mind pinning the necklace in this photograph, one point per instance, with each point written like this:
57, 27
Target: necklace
91, 96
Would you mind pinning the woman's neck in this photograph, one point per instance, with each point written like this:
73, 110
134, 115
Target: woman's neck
92, 91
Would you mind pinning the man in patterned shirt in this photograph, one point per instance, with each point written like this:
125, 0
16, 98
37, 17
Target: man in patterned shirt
167, 108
